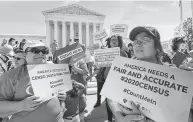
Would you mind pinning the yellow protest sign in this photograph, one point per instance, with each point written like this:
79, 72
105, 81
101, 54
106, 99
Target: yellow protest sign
164, 94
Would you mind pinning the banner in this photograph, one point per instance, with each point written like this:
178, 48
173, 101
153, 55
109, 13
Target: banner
119, 29
100, 35
164, 94
70, 53
105, 57
49, 79
93, 47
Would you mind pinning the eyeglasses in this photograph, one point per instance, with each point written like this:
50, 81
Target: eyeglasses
142, 41
37, 50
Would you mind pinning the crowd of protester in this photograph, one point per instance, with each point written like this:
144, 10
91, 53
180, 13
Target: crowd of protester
18, 106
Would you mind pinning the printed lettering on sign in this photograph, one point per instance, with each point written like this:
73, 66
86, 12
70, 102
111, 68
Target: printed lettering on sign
69, 54
51, 77
148, 85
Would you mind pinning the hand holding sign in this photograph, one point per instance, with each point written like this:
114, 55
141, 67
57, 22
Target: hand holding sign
134, 118
29, 103
62, 96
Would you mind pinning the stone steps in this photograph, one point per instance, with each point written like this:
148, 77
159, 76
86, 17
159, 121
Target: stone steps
91, 91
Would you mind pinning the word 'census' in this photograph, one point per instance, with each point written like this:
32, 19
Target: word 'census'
49, 75
151, 80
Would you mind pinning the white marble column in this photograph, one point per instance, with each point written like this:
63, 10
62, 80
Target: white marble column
101, 26
56, 30
48, 34
72, 31
64, 41
94, 31
80, 32
87, 34
94, 27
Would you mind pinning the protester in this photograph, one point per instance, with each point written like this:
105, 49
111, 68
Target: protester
130, 52
54, 46
113, 41
6, 63
11, 42
79, 69
188, 66
16, 94
89, 60
4, 42
19, 57
179, 47
6, 58
22, 43
147, 47
72, 102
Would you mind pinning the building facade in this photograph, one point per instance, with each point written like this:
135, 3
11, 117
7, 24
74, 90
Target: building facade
20, 37
72, 22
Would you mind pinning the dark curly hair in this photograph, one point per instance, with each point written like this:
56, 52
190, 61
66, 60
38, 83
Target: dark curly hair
176, 41
120, 41
166, 58
189, 45
129, 45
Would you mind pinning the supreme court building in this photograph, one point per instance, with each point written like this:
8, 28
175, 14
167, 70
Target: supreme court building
72, 22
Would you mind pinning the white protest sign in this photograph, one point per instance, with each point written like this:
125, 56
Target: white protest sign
164, 94
93, 47
105, 57
119, 29
49, 79
100, 35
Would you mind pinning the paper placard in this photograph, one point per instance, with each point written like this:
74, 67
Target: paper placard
70, 53
93, 47
105, 57
119, 29
100, 35
49, 79
164, 94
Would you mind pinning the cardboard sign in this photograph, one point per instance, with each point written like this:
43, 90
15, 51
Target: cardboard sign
164, 94
105, 57
70, 53
119, 29
93, 47
49, 79
100, 35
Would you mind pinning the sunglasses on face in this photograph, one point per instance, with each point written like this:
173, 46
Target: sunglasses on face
37, 50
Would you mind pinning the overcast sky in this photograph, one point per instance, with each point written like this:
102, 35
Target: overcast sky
26, 17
